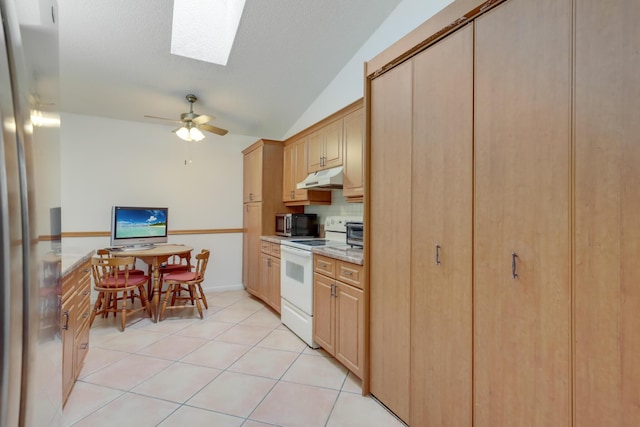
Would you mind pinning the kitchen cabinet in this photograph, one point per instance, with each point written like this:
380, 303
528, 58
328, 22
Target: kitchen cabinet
471, 300
522, 229
339, 311
607, 224
441, 244
259, 216
270, 274
295, 171
390, 247
353, 179
75, 311
252, 171
324, 149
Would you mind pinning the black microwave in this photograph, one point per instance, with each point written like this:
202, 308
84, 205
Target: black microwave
297, 225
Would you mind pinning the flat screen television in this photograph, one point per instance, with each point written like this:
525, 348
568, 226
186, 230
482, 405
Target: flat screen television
138, 227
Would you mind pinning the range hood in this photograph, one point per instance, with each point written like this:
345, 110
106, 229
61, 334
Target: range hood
328, 178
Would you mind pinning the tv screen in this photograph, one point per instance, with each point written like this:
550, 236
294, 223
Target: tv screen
138, 226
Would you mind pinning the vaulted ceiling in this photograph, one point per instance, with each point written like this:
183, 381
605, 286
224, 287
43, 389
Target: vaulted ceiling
115, 61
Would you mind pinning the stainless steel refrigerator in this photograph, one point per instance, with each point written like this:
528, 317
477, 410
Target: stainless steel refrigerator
30, 343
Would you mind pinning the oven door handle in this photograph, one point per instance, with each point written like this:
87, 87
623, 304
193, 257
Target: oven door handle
296, 251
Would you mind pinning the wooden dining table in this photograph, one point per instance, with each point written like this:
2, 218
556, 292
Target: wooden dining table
154, 257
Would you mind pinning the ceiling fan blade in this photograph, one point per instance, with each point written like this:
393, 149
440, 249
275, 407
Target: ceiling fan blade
202, 119
163, 118
213, 129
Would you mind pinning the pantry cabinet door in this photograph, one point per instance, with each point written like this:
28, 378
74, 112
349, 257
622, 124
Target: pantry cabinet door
522, 249
441, 249
390, 237
607, 214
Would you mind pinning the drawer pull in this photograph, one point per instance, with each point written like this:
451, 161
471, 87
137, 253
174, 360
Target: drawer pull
85, 315
65, 325
322, 265
347, 273
87, 292
84, 346
86, 270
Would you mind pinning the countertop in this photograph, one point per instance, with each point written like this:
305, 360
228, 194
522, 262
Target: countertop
344, 253
73, 258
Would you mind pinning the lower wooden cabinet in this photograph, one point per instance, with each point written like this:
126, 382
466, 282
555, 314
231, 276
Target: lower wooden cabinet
76, 293
269, 288
338, 306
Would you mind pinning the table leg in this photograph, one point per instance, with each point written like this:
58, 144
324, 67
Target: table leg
156, 288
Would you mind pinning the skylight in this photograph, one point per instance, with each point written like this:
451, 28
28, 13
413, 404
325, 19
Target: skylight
205, 29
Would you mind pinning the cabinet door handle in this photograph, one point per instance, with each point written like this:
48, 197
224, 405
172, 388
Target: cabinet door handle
437, 254
268, 262
65, 325
514, 265
333, 290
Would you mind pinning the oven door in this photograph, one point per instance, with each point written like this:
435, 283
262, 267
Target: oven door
296, 277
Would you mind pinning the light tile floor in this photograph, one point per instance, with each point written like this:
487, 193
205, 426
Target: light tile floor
238, 367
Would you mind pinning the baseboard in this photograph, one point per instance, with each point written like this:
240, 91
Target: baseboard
224, 288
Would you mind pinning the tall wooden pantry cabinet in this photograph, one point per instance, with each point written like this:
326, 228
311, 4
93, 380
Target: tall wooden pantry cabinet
503, 149
262, 196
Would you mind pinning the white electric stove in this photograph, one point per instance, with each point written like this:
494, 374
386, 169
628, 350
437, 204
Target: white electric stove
296, 276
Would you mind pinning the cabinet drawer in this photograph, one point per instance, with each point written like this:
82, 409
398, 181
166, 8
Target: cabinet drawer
275, 250
350, 273
265, 246
324, 265
81, 346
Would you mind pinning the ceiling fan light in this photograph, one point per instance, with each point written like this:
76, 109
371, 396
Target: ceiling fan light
183, 133
196, 134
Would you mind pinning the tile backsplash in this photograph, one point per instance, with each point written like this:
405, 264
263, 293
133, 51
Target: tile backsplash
338, 206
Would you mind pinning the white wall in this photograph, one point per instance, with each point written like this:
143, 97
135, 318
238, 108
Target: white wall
348, 85
106, 162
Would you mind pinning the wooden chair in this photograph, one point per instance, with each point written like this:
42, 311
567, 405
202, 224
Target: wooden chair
105, 253
176, 263
111, 277
190, 281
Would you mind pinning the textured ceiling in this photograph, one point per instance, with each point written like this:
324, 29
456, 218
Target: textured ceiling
115, 61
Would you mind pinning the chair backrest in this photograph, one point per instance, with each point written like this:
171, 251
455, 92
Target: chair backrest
106, 253
202, 259
182, 258
115, 268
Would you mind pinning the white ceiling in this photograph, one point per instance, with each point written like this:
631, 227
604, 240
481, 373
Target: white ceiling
115, 61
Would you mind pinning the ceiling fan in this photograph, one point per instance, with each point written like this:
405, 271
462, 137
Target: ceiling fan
193, 124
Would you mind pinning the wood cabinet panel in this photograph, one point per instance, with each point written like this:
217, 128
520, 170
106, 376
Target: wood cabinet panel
324, 149
351, 274
441, 248
253, 231
349, 324
75, 310
390, 247
522, 329
324, 265
353, 180
607, 224
324, 312
252, 176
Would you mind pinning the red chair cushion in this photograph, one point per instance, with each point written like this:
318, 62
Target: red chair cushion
184, 276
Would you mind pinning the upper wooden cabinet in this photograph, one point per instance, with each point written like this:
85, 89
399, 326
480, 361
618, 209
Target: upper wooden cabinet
353, 179
335, 141
324, 149
252, 189
295, 171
